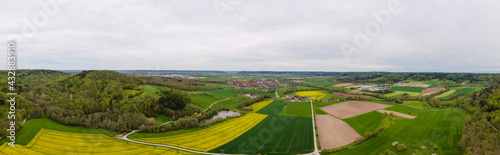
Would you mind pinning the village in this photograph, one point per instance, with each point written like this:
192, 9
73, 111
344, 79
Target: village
264, 84
297, 98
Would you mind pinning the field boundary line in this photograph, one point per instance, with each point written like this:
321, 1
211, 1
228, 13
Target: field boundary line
293, 136
316, 151
163, 145
217, 102
37, 137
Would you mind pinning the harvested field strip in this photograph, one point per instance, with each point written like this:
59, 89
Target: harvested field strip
352, 108
211, 137
448, 93
56, 142
430, 91
350, 95
415, 85
342, 84
397, 114
334, 133
355, 86
259, 105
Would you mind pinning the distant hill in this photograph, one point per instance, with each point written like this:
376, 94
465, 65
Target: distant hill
28, 79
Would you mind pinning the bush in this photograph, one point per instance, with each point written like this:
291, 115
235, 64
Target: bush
401, 147
367, 135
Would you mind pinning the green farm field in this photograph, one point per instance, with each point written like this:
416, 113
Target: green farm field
445, 94
274, 135
466, 90
297, 109
31, 128
321, 83
231, 103
408, 89
213, 85
204, 100
366, 122
256, 91
151, 89
418, 104
226, 92
401, 93
442, 129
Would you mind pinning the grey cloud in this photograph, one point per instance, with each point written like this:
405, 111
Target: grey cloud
455, 36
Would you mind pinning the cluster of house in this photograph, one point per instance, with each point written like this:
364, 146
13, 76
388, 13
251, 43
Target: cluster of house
171, 76
373, 88
330, 100
252, 96
264, 84
292, 80
294, 98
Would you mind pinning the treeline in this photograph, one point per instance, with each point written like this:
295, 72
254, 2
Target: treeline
242, 105
24, 109
186, 122
112, 120
175, 83
480, 134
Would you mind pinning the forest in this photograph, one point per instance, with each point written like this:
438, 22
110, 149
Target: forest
481, 133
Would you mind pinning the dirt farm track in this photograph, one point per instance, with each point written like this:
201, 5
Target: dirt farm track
351, 95
430, 91
397, 114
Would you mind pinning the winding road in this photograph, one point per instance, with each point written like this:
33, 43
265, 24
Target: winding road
162, 145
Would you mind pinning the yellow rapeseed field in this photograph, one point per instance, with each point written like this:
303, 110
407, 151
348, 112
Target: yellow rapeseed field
57, 142
211, 137
313, 95
259, 105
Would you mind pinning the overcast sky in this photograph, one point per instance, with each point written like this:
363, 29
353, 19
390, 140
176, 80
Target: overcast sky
278, 35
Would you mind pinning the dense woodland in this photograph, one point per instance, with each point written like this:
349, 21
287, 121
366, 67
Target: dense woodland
90, 99
481, 133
